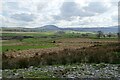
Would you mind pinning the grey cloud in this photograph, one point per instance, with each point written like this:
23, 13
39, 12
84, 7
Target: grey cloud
23, 17
97, 7
72, 9
69, 9
41, 6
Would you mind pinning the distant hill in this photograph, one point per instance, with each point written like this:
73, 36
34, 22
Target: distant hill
48, 28
113, 29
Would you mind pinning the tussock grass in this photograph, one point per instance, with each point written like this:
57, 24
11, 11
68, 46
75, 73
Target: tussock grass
109, 53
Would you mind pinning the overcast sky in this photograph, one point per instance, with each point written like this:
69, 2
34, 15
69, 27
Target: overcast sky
62, 13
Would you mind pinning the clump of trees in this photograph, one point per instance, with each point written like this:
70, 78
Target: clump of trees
60, 32
100, 34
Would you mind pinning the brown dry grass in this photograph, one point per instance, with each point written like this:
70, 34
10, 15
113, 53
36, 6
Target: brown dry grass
69, 51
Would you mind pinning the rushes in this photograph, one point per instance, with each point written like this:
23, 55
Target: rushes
93, 54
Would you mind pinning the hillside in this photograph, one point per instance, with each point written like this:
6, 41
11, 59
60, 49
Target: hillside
112, 29
48, 28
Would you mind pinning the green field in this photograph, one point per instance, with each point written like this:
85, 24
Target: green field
17, 48
30, 43
42, 39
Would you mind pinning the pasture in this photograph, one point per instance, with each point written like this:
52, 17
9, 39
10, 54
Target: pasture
15, 41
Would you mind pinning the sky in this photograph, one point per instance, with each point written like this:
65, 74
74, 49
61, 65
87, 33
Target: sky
62, 13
